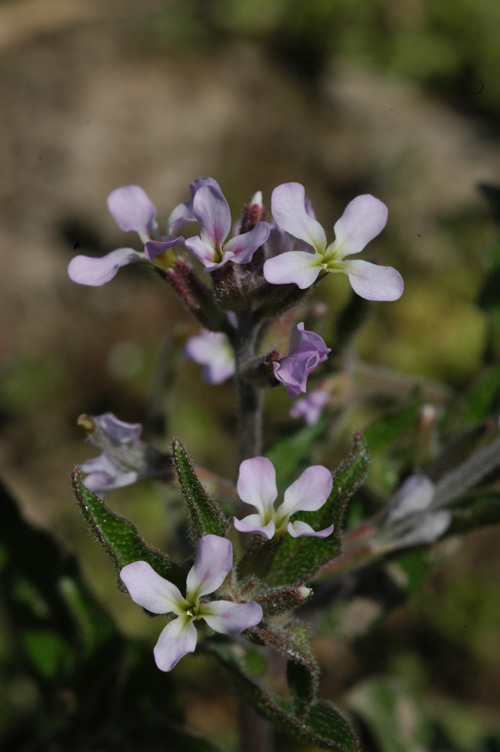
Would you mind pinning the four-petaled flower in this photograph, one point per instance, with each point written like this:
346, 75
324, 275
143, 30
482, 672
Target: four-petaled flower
212, 350
307, 350
213, 563
257, 486
363, 219
132, 210
212, 212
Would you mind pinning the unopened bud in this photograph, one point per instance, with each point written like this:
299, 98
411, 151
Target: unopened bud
86, 422
253, 213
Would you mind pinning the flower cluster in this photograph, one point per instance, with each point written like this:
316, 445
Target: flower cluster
253, 278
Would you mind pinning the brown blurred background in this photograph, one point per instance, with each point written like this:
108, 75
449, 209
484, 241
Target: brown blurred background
398, 99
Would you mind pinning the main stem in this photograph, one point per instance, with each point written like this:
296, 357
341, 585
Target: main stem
255, 731
249, 396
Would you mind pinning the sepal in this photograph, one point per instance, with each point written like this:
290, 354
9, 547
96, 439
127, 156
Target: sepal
196, 296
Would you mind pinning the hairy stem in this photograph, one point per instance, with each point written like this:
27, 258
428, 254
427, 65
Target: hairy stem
249, 396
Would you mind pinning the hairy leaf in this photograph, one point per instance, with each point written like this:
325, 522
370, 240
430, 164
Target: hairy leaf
120, 537
302, 667
323, 725
205, 514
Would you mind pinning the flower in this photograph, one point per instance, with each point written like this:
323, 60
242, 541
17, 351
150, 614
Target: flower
212, 350
125, 459
307, 350
212, 212
311, 406
132, 210
363, 219
257, 486
156, 594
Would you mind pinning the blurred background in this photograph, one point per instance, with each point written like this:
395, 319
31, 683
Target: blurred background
401, 100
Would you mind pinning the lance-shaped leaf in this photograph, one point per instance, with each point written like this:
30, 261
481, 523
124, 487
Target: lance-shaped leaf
298, 559
302, 667
323, 725
205, 514
120, 537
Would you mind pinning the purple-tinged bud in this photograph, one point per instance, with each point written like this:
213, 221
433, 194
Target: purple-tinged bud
253, 213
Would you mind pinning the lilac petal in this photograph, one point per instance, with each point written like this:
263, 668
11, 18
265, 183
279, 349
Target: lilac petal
175, 641
278, 242
154, 248
183, 213
300, 529
123, 432
311, 406
105, 475
257, 483
363, 219
149, 590
253, 524
307, 350
212, 212
414, 496
374, 282
87, 270
213, 563
212, 349
244, 246
205, 252
231, 618
132, 209
299, 267
309, 492
290, 213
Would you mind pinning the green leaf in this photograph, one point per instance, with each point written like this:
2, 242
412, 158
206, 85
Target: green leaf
323, 725
290, 454
392, 425
120, 537
205, 514
298, 559
302, 667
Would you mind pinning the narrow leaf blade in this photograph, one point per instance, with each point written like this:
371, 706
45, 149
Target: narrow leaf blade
205, 514
120, 537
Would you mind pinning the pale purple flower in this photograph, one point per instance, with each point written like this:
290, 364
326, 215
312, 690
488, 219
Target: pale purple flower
307, 350
105, 474
156, 594
125, 459
212, 212
311, 406
363, 219
133, 211
257, 486
212, 350
183, 213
